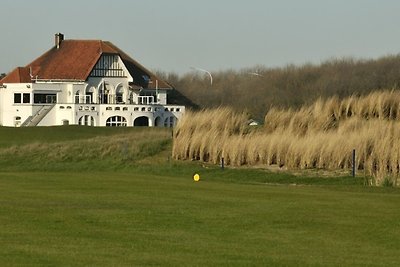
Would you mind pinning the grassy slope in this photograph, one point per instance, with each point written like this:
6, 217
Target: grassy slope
154, 214
10, 136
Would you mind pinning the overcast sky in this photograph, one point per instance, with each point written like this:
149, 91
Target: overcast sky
173, 35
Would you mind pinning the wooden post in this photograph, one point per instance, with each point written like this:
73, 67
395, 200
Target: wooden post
222, 163
354, 163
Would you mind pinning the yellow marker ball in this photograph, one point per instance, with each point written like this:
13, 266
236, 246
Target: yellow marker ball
196, 177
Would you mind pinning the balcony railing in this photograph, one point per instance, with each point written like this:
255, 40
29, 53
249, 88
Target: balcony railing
83, 99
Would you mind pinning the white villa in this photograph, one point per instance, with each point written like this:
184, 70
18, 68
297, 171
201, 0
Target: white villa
85, 82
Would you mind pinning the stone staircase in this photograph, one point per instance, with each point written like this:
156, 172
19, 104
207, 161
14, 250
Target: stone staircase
36, 118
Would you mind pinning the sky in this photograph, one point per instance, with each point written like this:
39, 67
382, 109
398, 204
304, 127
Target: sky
175, 35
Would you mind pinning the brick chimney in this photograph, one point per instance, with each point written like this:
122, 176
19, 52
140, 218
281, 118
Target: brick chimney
59, 37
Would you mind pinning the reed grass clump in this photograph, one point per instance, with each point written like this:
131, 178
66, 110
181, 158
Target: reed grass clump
321, 136
197, 133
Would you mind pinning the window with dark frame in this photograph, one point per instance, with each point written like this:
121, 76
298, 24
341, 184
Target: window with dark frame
26, 98
44, 98
116, 121
108, 66
17, 98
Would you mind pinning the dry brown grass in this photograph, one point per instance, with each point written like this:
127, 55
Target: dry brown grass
198, 132
321, 136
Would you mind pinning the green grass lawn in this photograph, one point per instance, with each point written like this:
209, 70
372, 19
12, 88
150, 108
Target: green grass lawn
144, 209
117, 218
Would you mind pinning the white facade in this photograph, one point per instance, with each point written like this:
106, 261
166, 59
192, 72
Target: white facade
104, 99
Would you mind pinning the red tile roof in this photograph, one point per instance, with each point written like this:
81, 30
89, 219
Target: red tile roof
18, 75
75, 59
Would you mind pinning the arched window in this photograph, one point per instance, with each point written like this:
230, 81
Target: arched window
141, 121
77, 97
120, 95
158, 122
170, 122
105, 93
86, 120
116, 121
90, 96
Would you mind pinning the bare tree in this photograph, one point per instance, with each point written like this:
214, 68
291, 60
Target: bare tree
258, 89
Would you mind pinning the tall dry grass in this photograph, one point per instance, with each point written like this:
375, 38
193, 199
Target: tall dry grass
197, 132
325, 115
322, 135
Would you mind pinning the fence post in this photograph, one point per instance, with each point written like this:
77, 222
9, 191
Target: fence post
354, 163
222, 163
